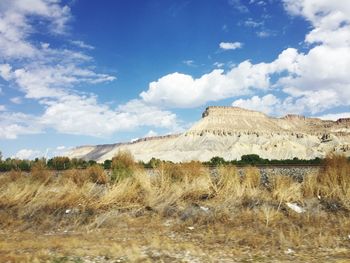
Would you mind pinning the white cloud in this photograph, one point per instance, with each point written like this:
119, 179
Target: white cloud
238, 5
230, 45
189, 63
252, 23
266, 104
263, 34
61, 147
74, 115
82, 44
15, 24
181, 90
27, 154
16, 100
13, 124
41, 81
2, 107
219, 64
334, 116
5, 71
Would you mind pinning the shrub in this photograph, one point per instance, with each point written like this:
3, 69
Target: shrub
154, 163
15, 175
334, 182
97, 174
39, 172
123, 166
251, 177
79, 177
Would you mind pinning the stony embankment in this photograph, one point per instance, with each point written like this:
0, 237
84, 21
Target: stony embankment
296, 172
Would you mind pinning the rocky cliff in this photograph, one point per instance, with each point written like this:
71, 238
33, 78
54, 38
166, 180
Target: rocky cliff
231, 132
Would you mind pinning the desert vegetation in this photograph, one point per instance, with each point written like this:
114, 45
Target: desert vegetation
60, 163
179, 212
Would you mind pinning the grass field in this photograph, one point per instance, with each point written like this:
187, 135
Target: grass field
180, 214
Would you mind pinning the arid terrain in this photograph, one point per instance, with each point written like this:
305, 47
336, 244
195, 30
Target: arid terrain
231, 132
181, 213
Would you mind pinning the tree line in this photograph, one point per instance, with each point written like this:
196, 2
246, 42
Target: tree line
65, 163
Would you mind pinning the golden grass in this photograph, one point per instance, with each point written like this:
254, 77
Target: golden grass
178, 205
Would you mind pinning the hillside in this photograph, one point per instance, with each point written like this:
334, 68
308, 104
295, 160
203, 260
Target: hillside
231, 132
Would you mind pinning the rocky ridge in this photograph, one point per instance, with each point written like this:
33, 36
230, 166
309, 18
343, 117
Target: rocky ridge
231, 132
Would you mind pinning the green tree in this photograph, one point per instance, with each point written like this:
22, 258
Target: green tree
251, 159
59, 163
216, 161
107, 164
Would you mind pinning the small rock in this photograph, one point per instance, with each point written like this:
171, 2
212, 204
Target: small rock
289, 251
167, 223
190, 227
295, 208
68, 211
205, 209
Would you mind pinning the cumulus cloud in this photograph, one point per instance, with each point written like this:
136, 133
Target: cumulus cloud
71, 113
266, 104
230, 45
184, 91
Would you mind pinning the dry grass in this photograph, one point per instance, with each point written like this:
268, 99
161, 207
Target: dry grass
179, 208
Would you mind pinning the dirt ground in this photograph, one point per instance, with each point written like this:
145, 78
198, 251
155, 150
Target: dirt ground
147, 239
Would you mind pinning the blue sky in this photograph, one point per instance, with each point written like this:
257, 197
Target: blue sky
90, 72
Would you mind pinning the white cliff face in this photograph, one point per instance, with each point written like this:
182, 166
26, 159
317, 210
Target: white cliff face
231, 132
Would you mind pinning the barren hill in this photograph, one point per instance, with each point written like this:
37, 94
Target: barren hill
231, 132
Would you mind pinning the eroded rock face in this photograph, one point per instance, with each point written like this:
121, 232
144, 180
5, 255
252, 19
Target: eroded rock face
231, 132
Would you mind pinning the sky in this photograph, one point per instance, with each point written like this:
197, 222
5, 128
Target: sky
91, 72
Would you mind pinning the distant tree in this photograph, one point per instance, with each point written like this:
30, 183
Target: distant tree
251, 159
92, 162
107, 164
216, 161
154, 163
59, 163
24, 165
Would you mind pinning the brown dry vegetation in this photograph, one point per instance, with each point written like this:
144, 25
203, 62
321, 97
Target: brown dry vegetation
181, 213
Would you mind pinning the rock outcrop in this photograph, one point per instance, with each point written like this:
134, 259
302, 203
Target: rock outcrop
231, 132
